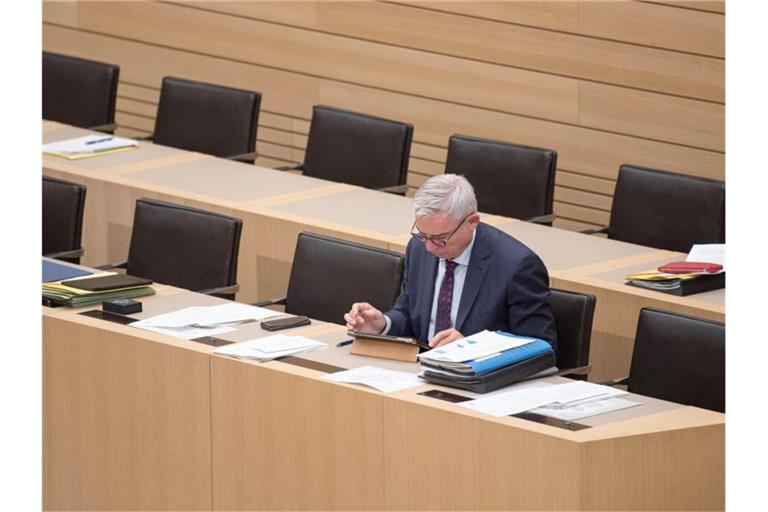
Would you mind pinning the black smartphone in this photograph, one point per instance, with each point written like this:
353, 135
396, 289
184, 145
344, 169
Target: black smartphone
284, 323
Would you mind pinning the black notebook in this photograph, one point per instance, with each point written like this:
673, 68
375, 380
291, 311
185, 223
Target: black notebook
684, 287
105, 283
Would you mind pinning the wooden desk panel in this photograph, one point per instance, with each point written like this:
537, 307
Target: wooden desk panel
125, 421
152, 422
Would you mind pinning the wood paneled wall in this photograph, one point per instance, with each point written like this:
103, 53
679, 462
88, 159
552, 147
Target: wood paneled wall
601, 82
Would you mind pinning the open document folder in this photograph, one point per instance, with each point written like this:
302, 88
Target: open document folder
88, 146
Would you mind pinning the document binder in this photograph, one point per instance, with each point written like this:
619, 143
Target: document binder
495, 379
683, 287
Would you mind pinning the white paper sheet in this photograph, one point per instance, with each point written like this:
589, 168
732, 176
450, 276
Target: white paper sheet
88, 144
208, 316
270, 347
377, 378
186, 333
475, 346
585, 409
707, 253
519, 400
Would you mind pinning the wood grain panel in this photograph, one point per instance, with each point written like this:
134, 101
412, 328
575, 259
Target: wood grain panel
139, 408
553, 15
694, 123
338, 58
655, 25
703, 5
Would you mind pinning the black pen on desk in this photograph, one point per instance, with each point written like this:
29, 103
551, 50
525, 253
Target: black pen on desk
344, 343
96, 141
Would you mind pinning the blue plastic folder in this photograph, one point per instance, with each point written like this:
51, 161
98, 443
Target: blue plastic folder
513, 355
53, 271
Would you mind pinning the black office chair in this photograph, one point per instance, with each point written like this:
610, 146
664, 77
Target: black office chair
207, 118
573, 314
666, 210
184, 247
329, 275
509, 179
679, 358
359, 149
79, 92
63, 206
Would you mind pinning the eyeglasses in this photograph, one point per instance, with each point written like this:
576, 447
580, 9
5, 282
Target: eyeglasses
439, 240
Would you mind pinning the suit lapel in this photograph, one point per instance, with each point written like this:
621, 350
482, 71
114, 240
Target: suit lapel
478, 267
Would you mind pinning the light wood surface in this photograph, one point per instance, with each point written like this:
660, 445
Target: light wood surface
602, 83
152, 422
276, 206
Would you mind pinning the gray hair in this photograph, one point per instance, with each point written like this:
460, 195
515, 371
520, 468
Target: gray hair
445, 193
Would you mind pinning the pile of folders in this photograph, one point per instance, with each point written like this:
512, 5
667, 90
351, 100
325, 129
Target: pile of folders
482, 374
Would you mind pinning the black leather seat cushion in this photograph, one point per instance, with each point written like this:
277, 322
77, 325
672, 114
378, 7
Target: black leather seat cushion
329, 275
509, 179
182, 246
63, 206
667, 210
355, 148
573, 314
679, 358
77, 91
207, 118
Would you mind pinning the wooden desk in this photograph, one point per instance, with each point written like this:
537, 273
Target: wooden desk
138, 420
276, 206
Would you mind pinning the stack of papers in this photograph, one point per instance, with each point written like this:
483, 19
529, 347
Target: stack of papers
377, 378
196, 321
76, 297
88, 146
557, 397
270, 347
476, 346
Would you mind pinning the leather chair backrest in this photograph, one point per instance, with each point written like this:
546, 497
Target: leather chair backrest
329, 275
679, 358
573, 314
355, 148
667, 210
181, 246
509, 179
207, 118
63, 206
77, 91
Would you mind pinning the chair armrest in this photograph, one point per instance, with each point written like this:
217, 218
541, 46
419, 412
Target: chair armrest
395, 189
74, 253
595, 231
108, 128
542, 219
615, 382
299, 167
110, 266
247, 158
273, 302
228, 290
581, 370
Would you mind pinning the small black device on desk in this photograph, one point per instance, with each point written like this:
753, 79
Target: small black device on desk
284, 323
121, 306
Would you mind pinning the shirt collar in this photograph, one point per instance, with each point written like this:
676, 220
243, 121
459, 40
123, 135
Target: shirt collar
463, 258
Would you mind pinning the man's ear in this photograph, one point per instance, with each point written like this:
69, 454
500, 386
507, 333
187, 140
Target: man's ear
474, 220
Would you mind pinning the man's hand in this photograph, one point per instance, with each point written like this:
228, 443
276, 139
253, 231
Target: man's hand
365, 318
445, 337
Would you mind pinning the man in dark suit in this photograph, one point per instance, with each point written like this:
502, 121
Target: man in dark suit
462, 276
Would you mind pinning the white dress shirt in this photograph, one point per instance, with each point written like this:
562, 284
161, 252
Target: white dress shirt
459, 275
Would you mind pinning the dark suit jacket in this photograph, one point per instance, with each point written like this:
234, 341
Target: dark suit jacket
506, 288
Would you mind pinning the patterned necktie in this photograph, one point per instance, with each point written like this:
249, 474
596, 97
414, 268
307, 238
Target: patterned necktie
444, 299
